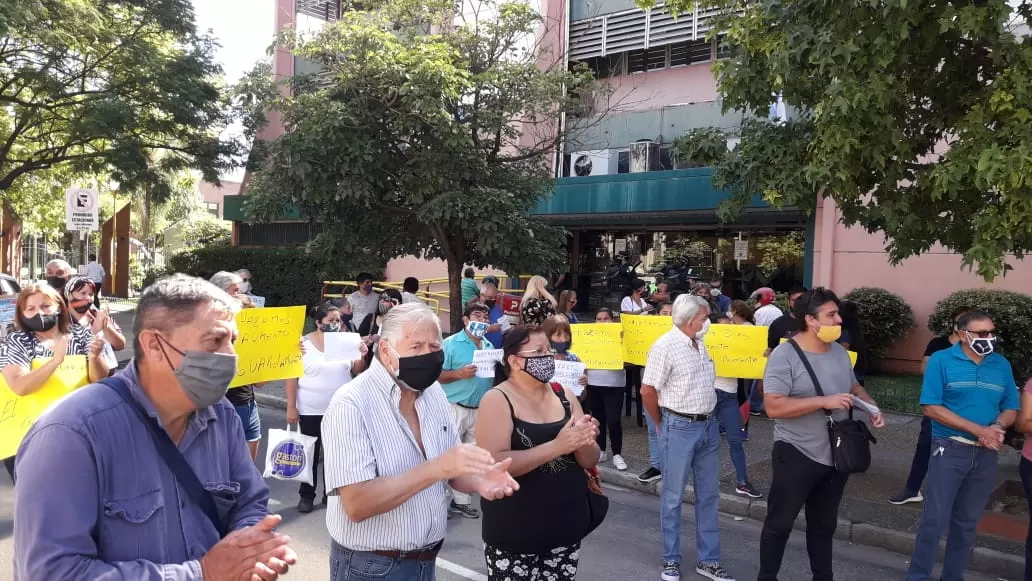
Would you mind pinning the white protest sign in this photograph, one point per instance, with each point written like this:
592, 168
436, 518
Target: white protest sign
82, 210
568, 374
485, 360
258, 301
342, 346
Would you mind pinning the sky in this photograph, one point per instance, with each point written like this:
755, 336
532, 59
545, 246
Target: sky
244, 28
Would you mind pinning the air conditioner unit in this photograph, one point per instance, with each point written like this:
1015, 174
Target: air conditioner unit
600, 162
644, 156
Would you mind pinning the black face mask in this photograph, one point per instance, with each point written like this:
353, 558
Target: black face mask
41, 323
490, 303
346, 319
420, 371
57, 282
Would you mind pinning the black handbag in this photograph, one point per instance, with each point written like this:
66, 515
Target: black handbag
598, 502
850, 439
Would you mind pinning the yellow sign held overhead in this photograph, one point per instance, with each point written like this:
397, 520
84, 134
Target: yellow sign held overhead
640, 332
18, 412
598, 345
269, 345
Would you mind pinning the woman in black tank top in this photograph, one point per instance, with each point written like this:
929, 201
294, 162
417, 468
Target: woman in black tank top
536, 532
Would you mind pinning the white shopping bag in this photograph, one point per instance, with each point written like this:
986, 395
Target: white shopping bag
289, 455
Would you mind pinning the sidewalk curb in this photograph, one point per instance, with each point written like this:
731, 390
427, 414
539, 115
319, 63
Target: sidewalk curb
983, 560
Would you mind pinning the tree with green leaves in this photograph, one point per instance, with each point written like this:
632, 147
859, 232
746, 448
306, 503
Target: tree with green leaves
914, 117
118, 88
435, 144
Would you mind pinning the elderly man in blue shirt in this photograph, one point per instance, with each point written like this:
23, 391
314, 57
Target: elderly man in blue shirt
147, 476
970, 395
463, 388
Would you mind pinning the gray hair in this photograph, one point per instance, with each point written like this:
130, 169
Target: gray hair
242, 272
172, 302
223, 279
687, 308
60, 264
406, 319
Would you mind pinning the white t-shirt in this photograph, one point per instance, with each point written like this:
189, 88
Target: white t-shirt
727, 384
320, 381
627, 305
764, 316
95, 272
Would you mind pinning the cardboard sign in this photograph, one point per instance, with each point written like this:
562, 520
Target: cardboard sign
269, 345
485, 359
19, 412
568, 374
599, 345
640, 332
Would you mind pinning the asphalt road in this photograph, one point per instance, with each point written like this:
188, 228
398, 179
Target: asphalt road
626, 547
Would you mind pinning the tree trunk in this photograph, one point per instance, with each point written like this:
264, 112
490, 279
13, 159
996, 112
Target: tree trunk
455, 305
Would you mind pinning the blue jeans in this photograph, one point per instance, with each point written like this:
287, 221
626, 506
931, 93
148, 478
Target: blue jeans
690, 448
960, 481
728, 414
755, 397
919, 465
655, 454
348, 565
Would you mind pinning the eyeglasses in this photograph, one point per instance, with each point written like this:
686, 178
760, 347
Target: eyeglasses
536, 353
982, 334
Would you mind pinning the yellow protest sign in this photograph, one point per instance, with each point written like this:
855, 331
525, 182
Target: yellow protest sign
737, 350
640, 332
18, 412
269, 344
598, 345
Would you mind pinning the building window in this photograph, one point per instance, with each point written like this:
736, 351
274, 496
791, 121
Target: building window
656, 58
212, 208
276, 233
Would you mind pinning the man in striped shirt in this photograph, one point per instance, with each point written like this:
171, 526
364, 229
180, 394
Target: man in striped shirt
392, 452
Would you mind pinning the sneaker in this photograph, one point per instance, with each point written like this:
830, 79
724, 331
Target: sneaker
618, 462
306, 505
749, 490
906, 496
651, 475
671, 571
755, 413
465, 510
603, 457
745, 434
713, 571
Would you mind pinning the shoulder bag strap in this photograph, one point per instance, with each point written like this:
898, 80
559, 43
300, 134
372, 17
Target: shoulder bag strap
170, 453
809, 370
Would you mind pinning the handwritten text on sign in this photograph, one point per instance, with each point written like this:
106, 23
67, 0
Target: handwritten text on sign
737, 350
269, 345
18, 412
568, 374
640, 332
599, 345
484, 360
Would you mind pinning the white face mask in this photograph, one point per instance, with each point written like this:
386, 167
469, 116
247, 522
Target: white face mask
703, 330
245, 287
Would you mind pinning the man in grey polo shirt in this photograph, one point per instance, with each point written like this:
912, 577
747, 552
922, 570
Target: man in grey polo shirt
392, 451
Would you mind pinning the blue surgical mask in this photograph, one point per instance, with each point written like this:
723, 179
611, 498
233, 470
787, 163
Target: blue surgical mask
561, 346
477, 329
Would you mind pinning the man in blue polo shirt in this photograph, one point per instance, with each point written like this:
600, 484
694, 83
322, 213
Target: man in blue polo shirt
970, 395
463, 388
